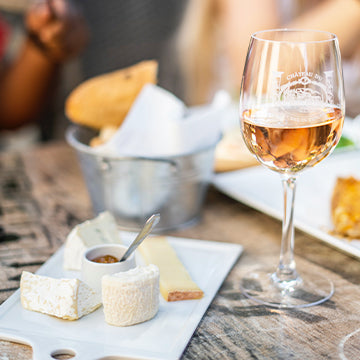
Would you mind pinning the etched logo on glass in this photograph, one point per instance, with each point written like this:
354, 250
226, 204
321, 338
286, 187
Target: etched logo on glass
304, 86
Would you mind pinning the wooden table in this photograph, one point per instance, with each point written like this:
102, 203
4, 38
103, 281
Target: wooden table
43, 196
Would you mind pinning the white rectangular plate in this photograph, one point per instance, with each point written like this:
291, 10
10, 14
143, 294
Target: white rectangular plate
163, 337
261, 189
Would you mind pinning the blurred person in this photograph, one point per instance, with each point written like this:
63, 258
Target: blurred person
212, 43
214, 36
127, 31
55, 33
341, 17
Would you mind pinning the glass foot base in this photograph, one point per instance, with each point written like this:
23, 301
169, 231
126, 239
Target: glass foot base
308, 290
350, 346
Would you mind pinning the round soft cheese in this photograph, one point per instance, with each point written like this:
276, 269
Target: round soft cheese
132, 296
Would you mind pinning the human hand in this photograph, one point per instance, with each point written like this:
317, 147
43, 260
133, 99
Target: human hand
58, 28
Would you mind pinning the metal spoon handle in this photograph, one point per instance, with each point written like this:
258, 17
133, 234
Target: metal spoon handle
145, 231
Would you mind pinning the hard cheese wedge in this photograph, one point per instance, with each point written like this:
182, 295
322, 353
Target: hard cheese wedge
132, 296
68, 299
101, 230
175, 281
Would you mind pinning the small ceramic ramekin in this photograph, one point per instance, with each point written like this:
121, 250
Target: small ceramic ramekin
92, 272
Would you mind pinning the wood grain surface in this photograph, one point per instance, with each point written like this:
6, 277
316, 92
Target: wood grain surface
43, 196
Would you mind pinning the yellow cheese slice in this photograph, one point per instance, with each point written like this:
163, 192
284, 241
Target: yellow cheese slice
175, 281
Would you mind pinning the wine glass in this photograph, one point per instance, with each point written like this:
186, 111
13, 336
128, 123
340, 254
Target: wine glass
349, 347
291, 113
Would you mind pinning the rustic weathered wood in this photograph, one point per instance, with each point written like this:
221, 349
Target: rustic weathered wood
42, 196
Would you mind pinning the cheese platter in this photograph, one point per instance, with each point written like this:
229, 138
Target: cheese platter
163, 337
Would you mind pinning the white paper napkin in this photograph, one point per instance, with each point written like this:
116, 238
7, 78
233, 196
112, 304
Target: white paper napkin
160, 125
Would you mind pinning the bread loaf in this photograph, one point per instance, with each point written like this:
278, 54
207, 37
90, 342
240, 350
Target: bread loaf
106, 99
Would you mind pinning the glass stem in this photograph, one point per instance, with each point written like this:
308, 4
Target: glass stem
286, 270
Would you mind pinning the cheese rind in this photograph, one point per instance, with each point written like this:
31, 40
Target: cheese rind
100, 230
68, 299
132, 296
175, 281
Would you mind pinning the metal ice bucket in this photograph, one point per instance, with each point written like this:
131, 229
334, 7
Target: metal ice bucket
133, 188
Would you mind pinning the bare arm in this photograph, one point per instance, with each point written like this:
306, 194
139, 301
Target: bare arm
218, 27
27, 84
24, 88
239, 19
341, 17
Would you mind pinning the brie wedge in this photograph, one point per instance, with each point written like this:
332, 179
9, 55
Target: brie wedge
101, 230
68, 299
132, 296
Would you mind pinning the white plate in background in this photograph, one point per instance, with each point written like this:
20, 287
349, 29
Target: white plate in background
261, 189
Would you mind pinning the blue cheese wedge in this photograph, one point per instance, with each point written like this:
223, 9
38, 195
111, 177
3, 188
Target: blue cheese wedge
132, 296
68, 299
101, 230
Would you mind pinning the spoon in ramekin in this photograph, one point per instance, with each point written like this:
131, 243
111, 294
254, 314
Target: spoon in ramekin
145, 231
